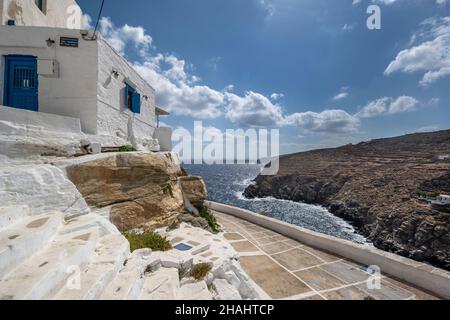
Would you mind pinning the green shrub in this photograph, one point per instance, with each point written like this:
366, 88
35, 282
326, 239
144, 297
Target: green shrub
200, 271
209, 217
147, 239
127, 149
369, 298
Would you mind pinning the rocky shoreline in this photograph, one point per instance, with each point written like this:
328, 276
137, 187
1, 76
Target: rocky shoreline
377, 186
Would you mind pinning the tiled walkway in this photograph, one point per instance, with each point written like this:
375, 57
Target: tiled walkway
286, 269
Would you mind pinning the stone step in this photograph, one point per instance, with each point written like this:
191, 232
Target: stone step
110, 254
12, 214
127, 285
44, 274
163, 284
25, 238
91, 220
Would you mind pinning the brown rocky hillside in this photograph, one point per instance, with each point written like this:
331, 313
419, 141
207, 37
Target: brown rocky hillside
376, 185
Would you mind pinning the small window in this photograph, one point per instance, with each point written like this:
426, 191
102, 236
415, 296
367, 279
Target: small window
40, 4
132, 99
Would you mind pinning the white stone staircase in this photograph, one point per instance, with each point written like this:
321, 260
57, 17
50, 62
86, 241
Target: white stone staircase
53, 247
45, 257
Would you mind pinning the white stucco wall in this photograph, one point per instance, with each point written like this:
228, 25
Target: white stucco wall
114, 118
74, 92
57, 13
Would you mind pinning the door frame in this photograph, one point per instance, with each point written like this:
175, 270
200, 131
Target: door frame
7, 59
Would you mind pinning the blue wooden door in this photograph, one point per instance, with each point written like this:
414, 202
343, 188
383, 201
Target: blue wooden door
21, 83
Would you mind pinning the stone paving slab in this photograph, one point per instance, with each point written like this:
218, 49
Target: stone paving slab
272, 278
297, 259
287, 269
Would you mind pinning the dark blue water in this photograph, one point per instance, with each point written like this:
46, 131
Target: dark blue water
226, 183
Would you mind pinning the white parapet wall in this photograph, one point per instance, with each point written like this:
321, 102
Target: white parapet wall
164, 136
419, 274
46, 121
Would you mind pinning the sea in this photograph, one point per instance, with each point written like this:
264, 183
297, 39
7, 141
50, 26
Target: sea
226, 184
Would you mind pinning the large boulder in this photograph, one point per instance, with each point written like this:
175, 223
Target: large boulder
141, 188
194, 189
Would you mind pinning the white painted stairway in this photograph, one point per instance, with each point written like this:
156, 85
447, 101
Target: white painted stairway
46, 257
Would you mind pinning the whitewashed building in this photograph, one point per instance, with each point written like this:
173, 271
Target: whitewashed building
50, 65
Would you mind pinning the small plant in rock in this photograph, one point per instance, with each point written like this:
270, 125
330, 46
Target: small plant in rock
212, 288
147, 239
183, 272
127, 149
369, 298
209, 217
200, 271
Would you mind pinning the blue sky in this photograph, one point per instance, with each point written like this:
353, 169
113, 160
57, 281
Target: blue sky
309, 67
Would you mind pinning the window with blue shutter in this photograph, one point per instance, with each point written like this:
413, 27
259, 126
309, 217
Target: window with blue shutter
132, 99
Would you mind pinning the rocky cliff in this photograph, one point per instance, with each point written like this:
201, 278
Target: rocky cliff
377, 185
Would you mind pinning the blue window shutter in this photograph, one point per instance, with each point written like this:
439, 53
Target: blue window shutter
127, 89
136, 106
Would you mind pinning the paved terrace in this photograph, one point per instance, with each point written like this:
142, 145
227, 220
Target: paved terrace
287, 269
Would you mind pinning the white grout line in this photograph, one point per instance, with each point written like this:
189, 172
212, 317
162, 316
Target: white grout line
319, 265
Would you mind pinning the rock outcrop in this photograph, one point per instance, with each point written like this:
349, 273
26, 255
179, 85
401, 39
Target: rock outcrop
195, 190
141, 189
378, 186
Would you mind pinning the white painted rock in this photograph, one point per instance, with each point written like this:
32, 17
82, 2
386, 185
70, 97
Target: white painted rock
163, 284
226, 291
43, 188
195, 291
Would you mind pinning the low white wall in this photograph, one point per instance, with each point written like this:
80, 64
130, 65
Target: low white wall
74, 92
422, 275
49, 122
164, 136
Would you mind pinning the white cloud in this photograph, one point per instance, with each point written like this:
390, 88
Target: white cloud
403, 104
386, 106
177, 95
430, 128
328, 121
348, 27
87, 22
253, 110
431, 55
276, 96
119, 38
269, 6
340, 96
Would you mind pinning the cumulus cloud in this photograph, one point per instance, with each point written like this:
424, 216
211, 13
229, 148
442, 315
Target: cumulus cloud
181, 93
429, 52
176, 94
119, 38
386, 106
253, 110
328, 121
